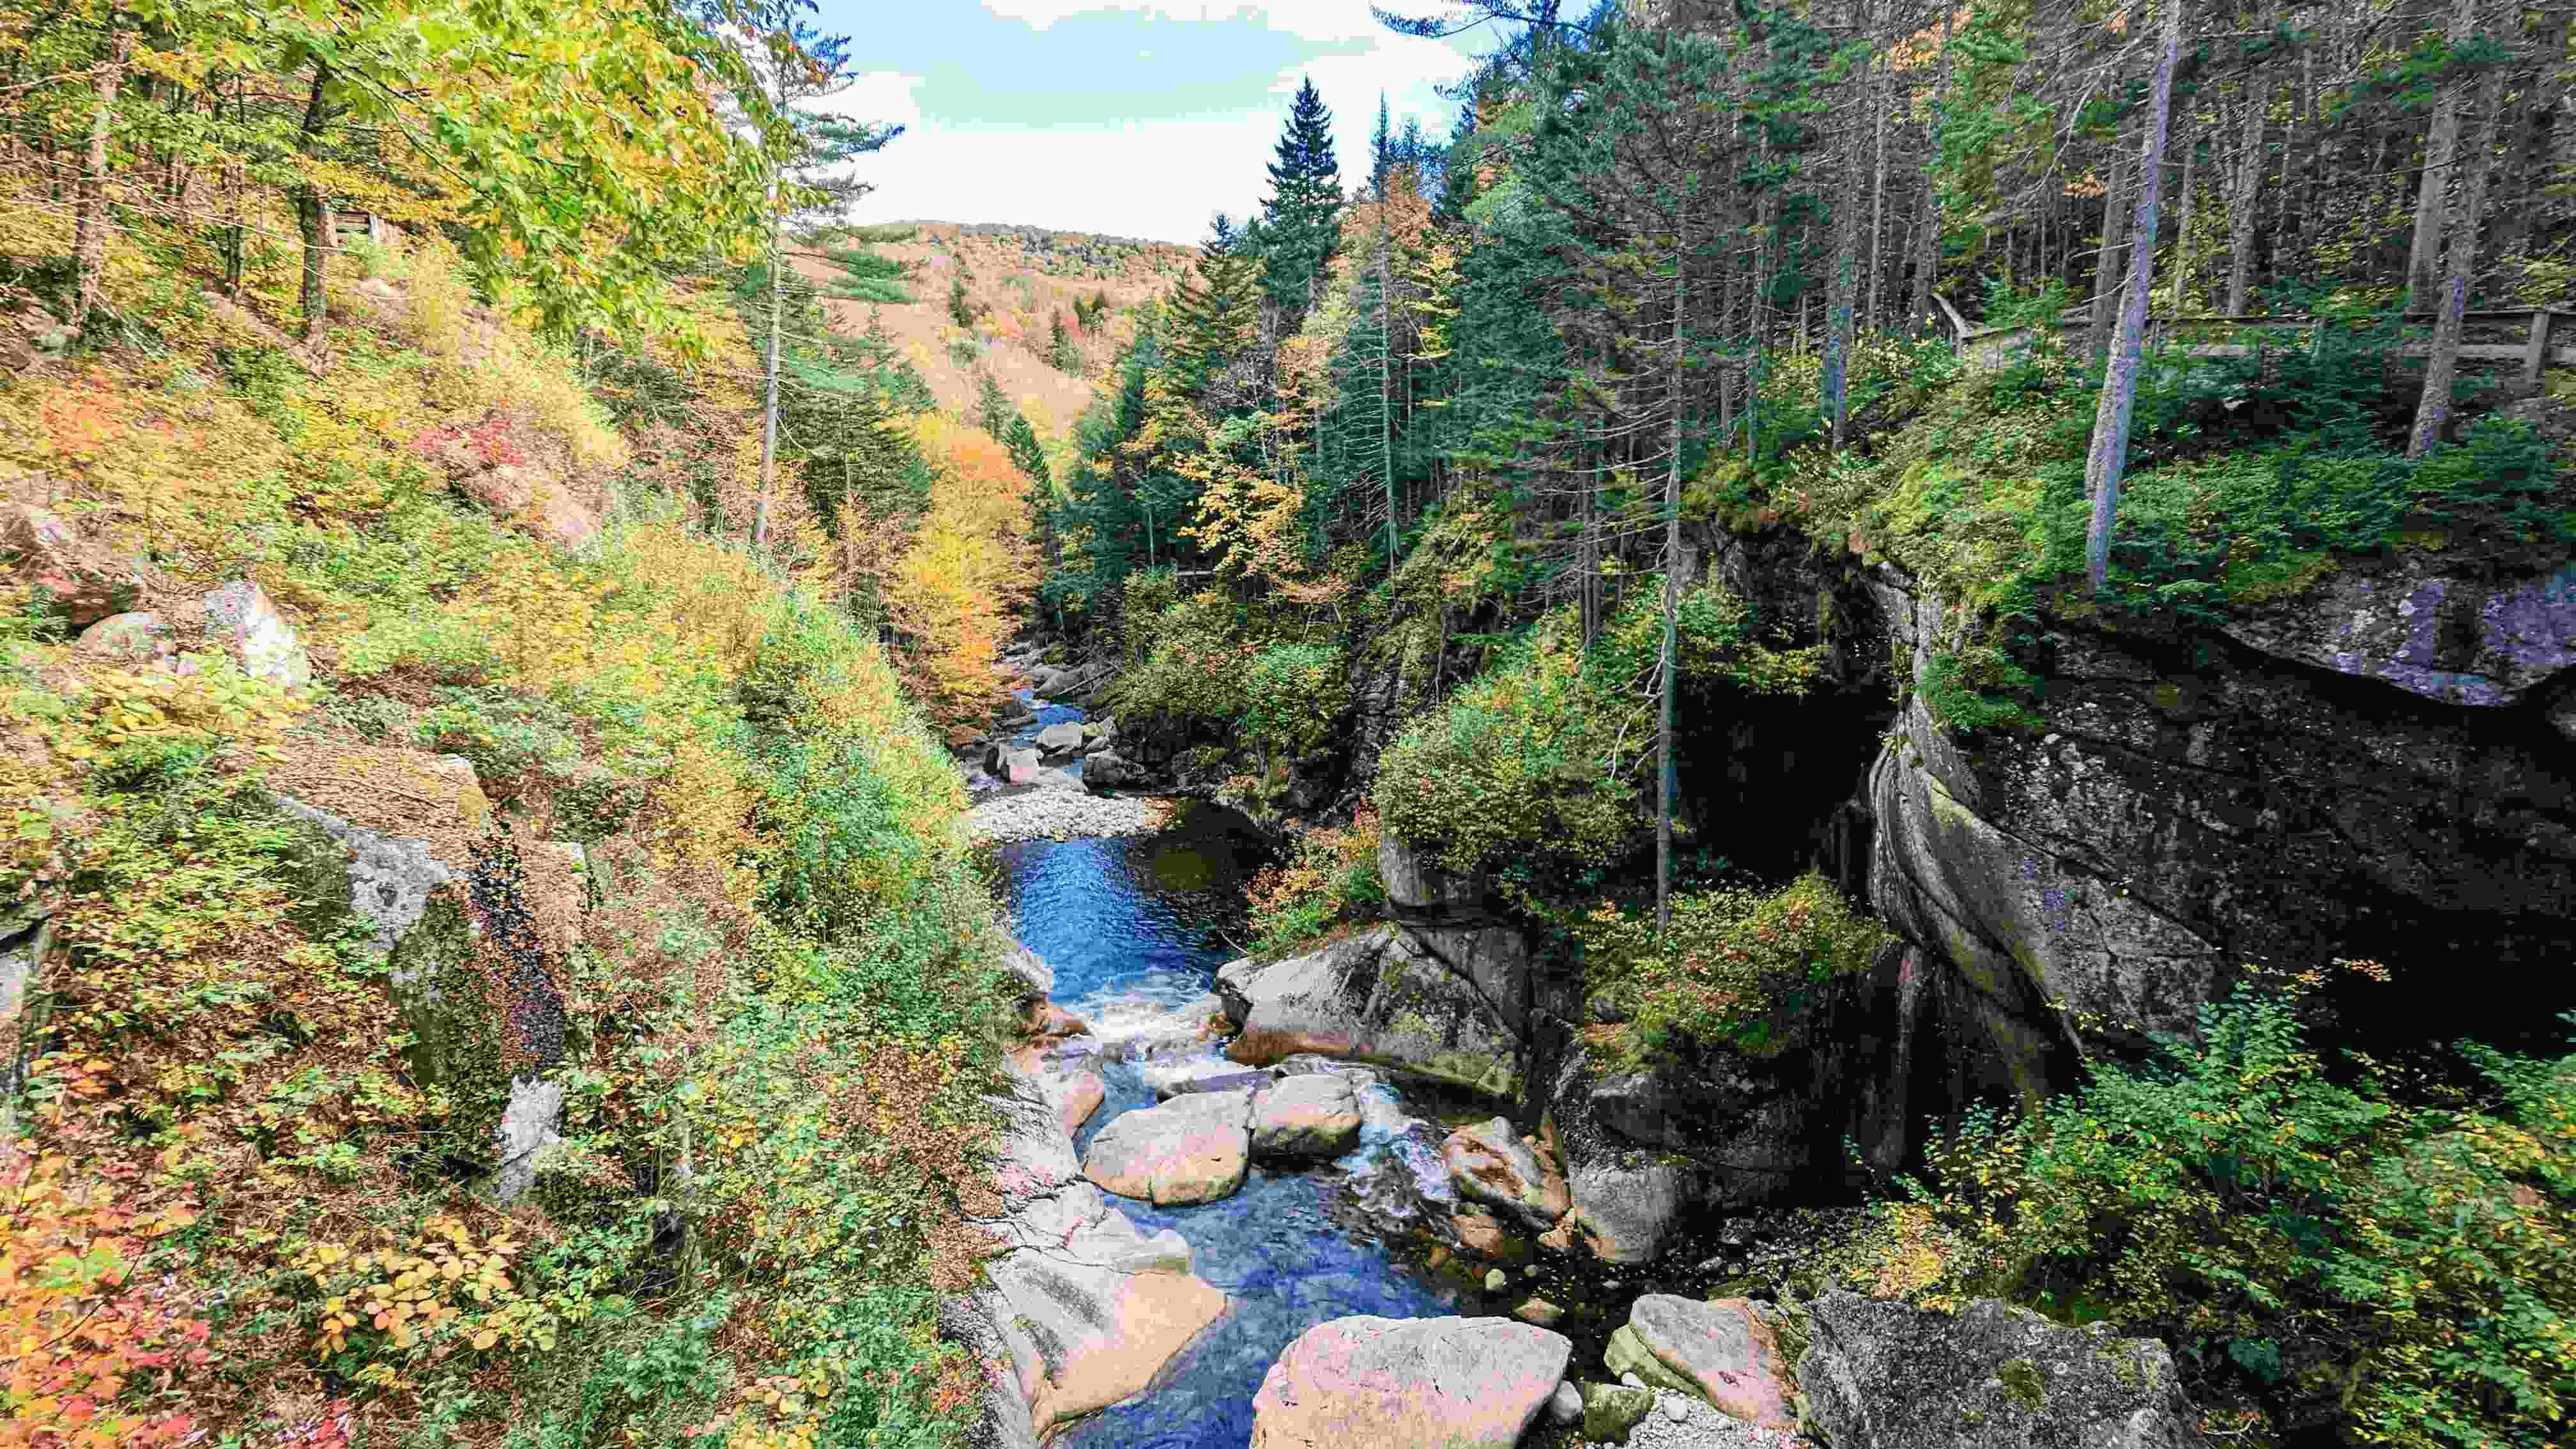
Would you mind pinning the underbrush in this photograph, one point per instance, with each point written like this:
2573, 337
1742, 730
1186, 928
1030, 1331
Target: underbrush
241, 1211
1330, 877
2249, 481
1533, 769
1736, 969
2314, 1238
1214, 673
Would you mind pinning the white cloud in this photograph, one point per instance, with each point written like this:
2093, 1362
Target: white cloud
1151, 176
1306, 19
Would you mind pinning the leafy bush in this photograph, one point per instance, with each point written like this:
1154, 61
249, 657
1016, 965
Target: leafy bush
2412, 1264
1330, 876
1538, 759
1293, 696
1735, 969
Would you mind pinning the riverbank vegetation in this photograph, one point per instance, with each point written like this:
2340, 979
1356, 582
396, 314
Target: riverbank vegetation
2390, 1260
496, 462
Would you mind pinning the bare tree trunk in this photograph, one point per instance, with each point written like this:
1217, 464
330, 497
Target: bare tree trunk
2241, 197
2107, 271
1672, 581
313, 213
1881, 77
90, 225
1927, 243
1385, 383
2182, 222
2432, 196
2110, 453
2442, 361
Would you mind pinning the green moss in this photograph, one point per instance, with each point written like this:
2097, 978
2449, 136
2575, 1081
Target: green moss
2022, 1379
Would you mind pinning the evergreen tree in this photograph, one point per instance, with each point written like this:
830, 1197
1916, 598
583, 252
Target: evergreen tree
1300, 224
1214, 316
1382, 153
993, 410
1025, 452
962, 310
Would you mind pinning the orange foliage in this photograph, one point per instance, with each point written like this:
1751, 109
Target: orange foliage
954, 591
93, 1353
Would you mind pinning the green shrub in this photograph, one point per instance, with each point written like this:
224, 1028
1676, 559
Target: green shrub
1528, 762
2238, 1197
1538, 759
1293, 696
1330, 876
1195, 669
1735, 969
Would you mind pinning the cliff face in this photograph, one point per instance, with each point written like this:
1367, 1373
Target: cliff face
2377, 769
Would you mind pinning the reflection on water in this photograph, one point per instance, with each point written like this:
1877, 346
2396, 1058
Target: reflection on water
1135, 929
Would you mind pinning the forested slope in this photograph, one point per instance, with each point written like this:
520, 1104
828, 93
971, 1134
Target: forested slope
488, 953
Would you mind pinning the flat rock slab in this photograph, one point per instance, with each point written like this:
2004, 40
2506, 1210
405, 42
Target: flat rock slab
1880, 1374
1489, 1163
1379, 997
1381, 1383
1193, 1148
1725, 1352
1079, 1308
1315, 1115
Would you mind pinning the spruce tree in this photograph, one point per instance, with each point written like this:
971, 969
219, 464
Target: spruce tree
1025, 452
1213, 315
1300, 224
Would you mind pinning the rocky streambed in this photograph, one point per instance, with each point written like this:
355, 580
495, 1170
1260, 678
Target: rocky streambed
1291, 1204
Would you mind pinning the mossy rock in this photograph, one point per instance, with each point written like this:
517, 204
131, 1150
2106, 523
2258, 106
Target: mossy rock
1611, 1410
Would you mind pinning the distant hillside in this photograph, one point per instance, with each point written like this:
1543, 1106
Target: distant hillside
1021, 277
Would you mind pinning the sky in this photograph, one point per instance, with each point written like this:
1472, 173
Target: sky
1130, 117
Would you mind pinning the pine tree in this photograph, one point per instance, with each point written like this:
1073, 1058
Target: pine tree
1300, 224
962, 310
1213, 316
1025, 452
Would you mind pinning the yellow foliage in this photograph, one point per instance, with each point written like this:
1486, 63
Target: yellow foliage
955, 590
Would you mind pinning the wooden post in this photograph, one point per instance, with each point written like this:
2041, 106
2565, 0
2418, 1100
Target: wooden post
2535, 355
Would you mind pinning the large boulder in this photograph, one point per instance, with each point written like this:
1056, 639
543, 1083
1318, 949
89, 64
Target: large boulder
1078, 1308
1376, 1383
1880, 1374
1110, 770
1417, 884
238, 620
1489, 1163
1625, 1204
73, 579
1380, 996
1013, 765
1313, 1115
1192, 1148
473, 931
1060, 739
241, 619
1725, 1352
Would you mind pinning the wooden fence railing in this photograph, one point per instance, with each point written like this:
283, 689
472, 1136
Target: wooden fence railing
2525, 339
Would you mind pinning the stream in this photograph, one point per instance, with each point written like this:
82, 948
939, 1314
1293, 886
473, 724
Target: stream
1135, 928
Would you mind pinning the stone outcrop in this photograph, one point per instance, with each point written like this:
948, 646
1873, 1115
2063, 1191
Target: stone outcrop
471, 943
1315, 1114
2367, 764
70, 577
1192, 1148
1725, 1352
1489, 1163
1079, 1308
238, 620
1425, 1381
1385, 997
1879, 1374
